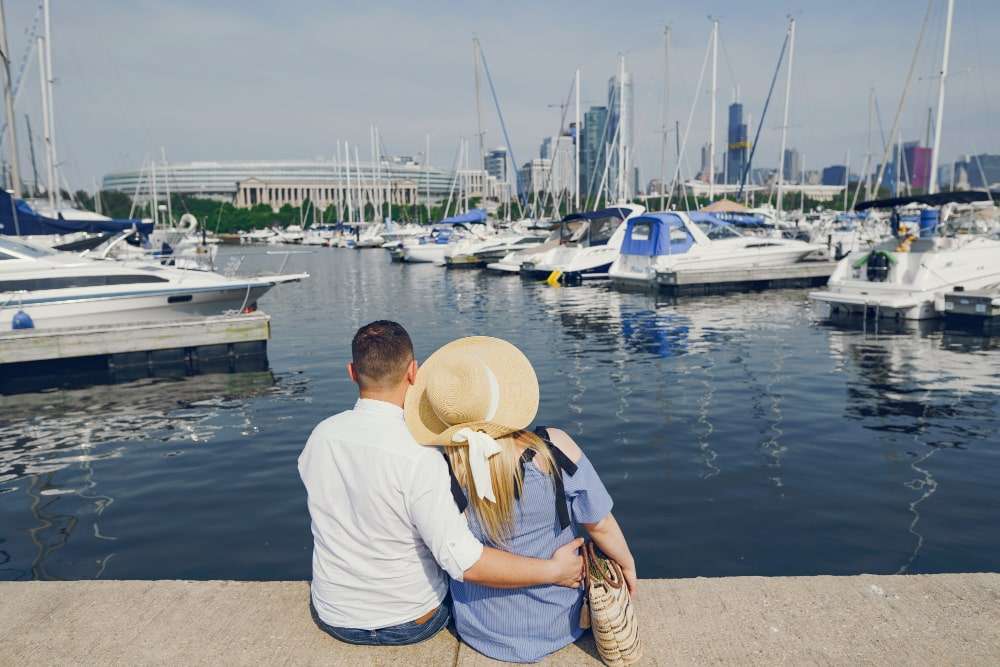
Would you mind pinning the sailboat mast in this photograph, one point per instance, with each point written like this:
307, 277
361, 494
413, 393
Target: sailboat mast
933, 186
576, 144
427, 174
621, 128
8, 96
784, 123
31, 152
50, 126
479, 111
711, 122
50, 177
663, 119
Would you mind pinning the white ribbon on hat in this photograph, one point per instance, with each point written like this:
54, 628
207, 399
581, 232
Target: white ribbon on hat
481, 448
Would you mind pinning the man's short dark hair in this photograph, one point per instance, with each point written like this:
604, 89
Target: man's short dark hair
381, 352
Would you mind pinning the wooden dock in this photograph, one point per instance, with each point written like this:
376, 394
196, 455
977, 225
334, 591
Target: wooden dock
32, 359
718, 281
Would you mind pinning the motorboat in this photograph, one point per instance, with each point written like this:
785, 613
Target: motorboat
696, 241
588, 244
432, 247
907, 277
257, 236
44, 289
475, 253
292, 234
369, 236
319, 235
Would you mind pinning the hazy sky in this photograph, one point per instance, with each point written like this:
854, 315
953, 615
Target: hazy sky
284, 80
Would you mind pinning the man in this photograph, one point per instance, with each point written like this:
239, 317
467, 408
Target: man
384, 521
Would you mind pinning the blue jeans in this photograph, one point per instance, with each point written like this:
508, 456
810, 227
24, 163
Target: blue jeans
396, 635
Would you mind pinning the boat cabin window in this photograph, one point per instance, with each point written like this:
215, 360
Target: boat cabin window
20, 248
4, 256
641, 231
66, 282
717, 231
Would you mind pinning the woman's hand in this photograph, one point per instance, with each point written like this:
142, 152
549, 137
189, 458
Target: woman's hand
567, 564
631, 580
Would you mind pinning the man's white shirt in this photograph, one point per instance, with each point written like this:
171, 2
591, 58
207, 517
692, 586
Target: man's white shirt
384, 522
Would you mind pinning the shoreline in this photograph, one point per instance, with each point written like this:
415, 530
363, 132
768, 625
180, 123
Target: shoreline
884, 619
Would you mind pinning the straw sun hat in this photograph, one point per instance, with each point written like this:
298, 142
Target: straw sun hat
478, 383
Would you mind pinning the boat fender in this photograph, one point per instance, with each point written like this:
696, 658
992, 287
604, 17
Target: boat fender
554, 278
22, 320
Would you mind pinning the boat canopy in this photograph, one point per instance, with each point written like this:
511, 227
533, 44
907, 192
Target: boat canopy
473, 216
939, 199
592, 228
31, 223
655, 234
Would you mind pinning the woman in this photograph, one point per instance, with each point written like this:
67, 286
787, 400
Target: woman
523, 491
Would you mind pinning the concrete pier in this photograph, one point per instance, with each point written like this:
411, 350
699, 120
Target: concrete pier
885, 620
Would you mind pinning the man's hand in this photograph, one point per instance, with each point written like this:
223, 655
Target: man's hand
567, 564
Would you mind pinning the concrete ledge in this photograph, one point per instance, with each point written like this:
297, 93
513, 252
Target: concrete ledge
911, 620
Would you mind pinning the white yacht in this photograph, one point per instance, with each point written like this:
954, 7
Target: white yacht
370, 236
588, 244
907, 277
433, 247
677, 241
54, 289
291, 234
480, 252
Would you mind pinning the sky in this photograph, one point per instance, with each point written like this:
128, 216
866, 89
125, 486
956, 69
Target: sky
287, 80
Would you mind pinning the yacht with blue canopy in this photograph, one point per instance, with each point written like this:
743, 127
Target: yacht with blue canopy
695, 241
18, 218
588, 244
431, 248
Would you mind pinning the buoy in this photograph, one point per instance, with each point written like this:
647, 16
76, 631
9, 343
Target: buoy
553, 278
22, 321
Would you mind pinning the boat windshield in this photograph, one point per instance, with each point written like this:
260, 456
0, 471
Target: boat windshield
21, 248
590, 232
717, 231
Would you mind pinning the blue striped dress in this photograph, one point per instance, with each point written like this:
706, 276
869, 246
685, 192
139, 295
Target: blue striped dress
527, 624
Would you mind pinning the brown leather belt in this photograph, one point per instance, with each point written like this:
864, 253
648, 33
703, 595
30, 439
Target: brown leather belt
426, 617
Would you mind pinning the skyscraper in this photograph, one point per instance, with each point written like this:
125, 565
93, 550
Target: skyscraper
495, 163
792, 167
596, 133
615, 105
736, 155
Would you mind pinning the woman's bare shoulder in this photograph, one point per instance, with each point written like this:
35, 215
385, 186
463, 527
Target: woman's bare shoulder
565, 443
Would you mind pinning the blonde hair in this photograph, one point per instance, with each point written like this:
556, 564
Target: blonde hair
497, 519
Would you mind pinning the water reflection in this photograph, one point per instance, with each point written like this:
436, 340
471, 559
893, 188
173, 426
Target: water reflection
920, 381
50, 443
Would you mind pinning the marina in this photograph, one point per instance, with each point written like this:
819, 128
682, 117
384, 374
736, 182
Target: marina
767, 391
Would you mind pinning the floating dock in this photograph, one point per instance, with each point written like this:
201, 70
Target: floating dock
32, 359
718, 281
939, 619
976, 308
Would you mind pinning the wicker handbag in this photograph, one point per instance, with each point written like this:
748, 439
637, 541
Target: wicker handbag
607, 610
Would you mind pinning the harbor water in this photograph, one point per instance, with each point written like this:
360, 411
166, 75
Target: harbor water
737, 435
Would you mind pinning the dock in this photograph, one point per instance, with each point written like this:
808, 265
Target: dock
32, 359
897, 620
979, 305
719, 281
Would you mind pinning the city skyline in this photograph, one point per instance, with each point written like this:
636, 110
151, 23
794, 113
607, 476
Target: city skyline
207, 83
